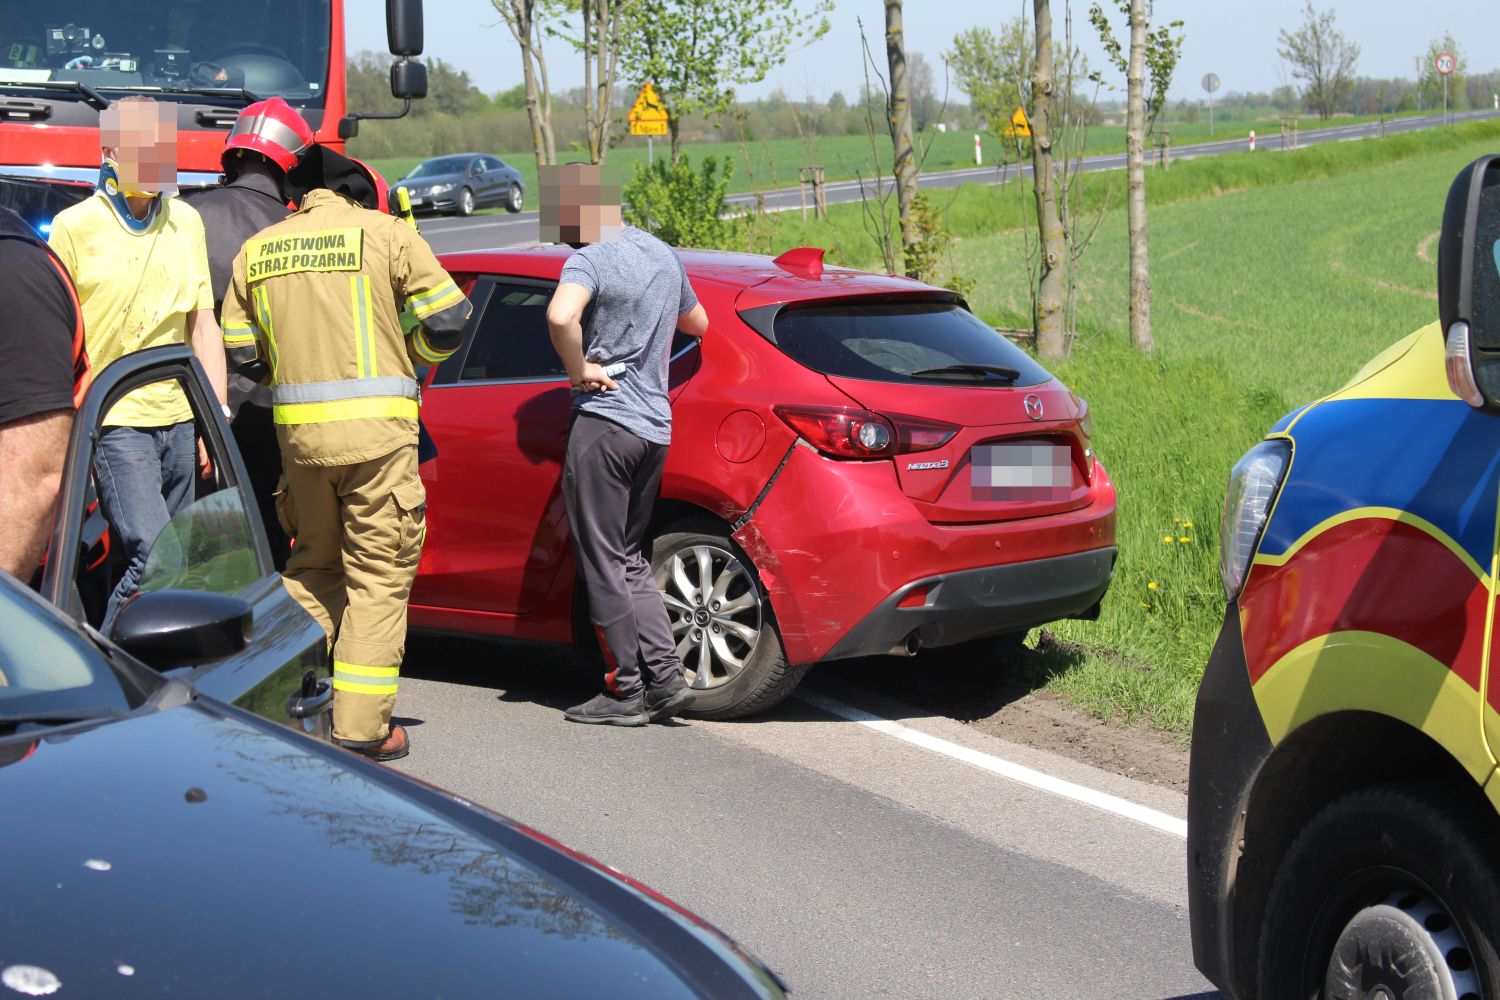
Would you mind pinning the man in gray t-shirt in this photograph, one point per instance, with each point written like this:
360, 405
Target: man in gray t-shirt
618, 302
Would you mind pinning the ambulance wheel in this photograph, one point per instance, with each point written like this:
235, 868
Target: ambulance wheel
514, 199
1386, 893
721, 619
466, 202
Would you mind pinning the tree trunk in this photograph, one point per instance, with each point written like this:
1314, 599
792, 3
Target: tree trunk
586, 7
1135, 169
1052, 284
549, 141
899, 119
520, 21
607, 38
672, 123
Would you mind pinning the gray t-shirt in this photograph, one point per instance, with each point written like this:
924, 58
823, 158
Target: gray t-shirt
637, 289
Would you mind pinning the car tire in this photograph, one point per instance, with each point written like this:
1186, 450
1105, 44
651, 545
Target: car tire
763, 678
514, 199
1379, 874
466, 202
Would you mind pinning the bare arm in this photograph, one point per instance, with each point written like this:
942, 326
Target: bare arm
565, 323
208, 346
694, 322
32, 452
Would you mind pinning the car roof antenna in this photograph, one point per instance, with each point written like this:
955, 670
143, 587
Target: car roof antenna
806, 262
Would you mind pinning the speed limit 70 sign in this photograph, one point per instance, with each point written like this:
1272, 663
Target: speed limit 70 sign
1445, 63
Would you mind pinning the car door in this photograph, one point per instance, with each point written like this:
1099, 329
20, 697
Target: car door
213, 543
499, 180
483, 182
497, 411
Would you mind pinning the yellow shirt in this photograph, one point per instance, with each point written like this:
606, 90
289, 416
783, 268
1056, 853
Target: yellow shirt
138, 290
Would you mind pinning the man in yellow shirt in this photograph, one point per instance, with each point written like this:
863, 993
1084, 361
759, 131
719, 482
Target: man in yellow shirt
140, 264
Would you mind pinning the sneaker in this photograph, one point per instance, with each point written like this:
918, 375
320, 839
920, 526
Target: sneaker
396, 746
668, 700
606, 709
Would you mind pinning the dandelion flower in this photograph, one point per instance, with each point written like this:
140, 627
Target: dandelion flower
1152, 585
1166, 538
1184, 539
1187, 524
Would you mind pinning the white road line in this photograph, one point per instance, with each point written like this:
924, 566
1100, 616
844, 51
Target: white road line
1103, 801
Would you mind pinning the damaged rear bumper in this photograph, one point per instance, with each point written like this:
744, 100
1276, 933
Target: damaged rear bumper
956, 607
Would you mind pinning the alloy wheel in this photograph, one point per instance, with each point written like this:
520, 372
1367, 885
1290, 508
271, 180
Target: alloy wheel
715, 609
466, 202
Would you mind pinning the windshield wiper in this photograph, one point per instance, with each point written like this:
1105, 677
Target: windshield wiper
239, 92
58, 717
82, 91
972, 371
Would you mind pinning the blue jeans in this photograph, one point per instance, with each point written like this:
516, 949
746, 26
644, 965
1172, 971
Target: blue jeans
145, 476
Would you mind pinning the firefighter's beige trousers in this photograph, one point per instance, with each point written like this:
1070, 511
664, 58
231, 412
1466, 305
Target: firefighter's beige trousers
358, 531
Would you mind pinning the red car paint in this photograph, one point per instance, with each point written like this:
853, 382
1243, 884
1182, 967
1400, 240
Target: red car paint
830, 540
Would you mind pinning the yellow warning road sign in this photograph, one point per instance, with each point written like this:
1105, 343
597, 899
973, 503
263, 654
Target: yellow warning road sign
648, 116
1019, 123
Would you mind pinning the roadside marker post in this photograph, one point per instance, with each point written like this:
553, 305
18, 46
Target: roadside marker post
1252, 140
978, 156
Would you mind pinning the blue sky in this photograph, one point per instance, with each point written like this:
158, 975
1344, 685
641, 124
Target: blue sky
1222, 36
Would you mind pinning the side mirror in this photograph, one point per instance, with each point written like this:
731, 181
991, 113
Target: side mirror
181, 628
409, 80
403, 27
1469, 283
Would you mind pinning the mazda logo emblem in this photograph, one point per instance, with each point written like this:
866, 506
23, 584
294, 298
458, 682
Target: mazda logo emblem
1034, 406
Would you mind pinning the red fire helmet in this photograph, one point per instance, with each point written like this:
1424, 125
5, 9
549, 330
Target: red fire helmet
273, 129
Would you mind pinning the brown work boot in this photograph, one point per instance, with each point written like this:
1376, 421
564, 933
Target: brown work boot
395, 747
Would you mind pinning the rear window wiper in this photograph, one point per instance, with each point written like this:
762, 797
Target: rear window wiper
970, 371
81, 91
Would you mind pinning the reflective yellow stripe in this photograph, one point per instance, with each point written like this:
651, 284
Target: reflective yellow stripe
355, 687
263, 317
358, 679
235, 334
362, 306
347, 409
426, 351
440, 298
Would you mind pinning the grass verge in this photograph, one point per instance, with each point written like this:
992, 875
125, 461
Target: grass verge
1275, 277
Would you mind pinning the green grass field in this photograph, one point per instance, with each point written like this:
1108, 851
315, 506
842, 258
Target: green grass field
774, 163
1275, 277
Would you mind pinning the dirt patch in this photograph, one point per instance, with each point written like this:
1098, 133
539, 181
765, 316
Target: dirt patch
986, 693
1424, 249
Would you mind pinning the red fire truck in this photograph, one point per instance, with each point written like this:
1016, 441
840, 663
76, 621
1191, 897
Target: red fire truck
63, 62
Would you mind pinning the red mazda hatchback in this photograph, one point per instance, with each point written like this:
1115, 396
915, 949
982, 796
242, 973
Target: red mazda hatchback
858, 466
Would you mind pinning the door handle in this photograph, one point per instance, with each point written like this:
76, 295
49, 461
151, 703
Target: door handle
315, 698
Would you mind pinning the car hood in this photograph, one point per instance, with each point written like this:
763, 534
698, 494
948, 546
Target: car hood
426, 181
197, 852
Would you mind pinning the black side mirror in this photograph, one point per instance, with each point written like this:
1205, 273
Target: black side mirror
181, 628
409, 80
1469, 283
403, 27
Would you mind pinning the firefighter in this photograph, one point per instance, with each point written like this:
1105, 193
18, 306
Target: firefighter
313, 309
263, 146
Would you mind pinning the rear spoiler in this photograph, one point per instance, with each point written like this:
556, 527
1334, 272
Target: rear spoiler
762, 319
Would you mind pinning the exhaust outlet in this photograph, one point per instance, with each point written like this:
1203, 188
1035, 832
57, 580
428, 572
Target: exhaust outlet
913, 643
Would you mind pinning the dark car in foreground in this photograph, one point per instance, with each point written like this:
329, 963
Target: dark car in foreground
178, 823
462, 182
161, 841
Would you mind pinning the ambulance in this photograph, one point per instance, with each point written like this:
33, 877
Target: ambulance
1344, 799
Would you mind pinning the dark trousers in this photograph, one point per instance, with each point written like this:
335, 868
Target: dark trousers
255, 433
610, 482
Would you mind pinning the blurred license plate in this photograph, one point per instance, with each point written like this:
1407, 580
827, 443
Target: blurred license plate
1028, 471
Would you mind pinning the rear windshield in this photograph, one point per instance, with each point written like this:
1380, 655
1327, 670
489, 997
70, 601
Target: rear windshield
888, 341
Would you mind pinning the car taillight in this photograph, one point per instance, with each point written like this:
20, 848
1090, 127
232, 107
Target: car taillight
845, 432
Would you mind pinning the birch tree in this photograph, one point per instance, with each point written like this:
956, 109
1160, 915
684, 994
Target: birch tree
899, 119
1051, 336
525, 22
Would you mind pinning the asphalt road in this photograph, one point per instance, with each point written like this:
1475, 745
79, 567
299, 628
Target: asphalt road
912, 857
493, 232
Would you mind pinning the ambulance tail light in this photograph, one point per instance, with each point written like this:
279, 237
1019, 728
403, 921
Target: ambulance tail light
1253, 485
1460, 366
